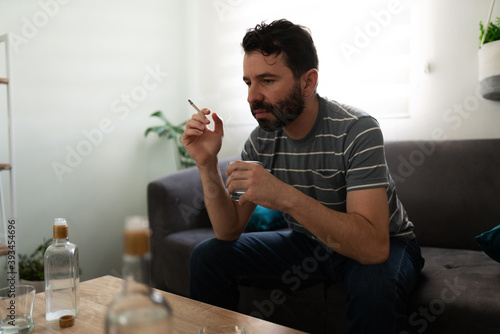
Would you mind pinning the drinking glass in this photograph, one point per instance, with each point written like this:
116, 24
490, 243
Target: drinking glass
235, 196
16, 309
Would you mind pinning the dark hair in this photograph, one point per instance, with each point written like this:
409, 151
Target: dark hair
279, 36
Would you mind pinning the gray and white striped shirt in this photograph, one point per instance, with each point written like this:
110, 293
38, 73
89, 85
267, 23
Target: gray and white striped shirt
344, 151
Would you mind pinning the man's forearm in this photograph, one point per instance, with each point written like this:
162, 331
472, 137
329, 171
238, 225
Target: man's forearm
357, 234
221, 210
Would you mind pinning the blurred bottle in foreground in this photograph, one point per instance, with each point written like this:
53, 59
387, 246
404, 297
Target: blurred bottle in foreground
138, 308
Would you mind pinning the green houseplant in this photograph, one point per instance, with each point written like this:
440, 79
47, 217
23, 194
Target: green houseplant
489, 58
493, 33
174, 132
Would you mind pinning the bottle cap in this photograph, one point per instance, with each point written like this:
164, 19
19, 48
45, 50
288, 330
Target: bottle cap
66, 321
136, 236
60, 228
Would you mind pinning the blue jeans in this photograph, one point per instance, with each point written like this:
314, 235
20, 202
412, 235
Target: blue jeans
376, 295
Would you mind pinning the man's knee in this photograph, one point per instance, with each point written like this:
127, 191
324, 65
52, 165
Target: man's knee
371, 282
209, 251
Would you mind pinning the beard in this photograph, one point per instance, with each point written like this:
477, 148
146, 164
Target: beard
284, 111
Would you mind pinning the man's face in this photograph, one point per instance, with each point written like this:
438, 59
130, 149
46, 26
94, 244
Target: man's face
274, 95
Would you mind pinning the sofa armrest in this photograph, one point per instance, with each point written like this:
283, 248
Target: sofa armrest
175, 202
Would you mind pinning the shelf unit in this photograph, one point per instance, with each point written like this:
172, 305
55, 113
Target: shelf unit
8, 166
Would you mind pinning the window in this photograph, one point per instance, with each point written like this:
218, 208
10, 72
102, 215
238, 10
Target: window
364, 49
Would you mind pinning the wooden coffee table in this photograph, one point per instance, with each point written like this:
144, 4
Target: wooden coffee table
188, 315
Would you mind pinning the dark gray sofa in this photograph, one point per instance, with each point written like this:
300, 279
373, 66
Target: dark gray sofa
451, 190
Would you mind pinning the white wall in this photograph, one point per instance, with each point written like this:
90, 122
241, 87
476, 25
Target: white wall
86, 77
87, 67
446, 103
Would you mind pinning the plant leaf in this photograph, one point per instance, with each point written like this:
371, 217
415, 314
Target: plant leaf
160, 115
171, 131
493, 33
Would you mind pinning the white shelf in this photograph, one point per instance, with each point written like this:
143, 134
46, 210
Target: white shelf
8, 166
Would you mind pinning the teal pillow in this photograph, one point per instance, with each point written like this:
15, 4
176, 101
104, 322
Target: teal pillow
264, 219
490, 243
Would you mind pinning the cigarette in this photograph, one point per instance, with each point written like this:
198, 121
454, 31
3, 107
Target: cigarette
195, 107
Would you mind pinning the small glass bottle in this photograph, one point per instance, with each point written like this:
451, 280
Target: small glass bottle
62, 275
138, 308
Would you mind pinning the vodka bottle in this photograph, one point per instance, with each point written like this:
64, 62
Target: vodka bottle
138, 308
62, 275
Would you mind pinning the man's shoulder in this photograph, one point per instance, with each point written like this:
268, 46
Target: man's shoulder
342, 111
345, 117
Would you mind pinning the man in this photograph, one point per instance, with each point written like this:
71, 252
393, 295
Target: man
323, 166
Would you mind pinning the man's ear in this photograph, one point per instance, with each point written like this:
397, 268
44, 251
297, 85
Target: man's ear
309, 82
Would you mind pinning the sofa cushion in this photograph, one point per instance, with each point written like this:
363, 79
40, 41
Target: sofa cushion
458, 293
490, 243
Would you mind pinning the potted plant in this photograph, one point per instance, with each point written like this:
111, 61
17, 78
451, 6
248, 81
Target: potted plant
31, 267
493, 33
489, 58
171, 131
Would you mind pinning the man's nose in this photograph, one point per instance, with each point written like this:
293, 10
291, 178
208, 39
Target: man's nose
254, 94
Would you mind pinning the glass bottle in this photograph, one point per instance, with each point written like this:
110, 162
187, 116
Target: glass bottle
62, 275
138, 308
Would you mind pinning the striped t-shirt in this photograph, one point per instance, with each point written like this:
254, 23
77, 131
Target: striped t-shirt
344, 151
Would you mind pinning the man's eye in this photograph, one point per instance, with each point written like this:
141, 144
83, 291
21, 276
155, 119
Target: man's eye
267, 81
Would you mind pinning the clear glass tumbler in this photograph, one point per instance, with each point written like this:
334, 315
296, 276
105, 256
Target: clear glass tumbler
235, 196
16, 309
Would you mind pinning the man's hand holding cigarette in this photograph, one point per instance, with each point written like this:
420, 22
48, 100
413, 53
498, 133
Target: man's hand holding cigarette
202, 143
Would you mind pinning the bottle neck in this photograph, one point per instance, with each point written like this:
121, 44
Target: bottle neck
60, 241
137, 272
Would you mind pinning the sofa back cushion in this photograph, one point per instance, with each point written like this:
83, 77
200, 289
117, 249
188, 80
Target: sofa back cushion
450, 189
